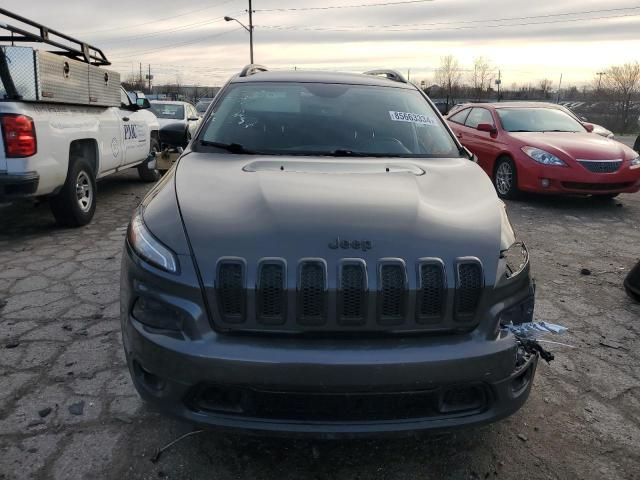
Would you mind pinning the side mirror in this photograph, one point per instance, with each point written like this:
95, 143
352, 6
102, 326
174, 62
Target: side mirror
486, 127
589, 127
143, 103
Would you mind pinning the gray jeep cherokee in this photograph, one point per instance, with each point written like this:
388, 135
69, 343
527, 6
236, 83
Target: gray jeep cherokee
325, 258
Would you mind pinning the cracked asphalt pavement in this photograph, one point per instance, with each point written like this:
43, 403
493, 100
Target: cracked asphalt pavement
68, 409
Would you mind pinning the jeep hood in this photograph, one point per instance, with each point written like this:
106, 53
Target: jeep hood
254, 207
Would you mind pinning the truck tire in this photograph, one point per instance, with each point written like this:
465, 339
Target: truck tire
145, 173
75, 204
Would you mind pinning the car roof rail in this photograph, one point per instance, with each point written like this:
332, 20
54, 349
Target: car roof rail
252, 69
390, 74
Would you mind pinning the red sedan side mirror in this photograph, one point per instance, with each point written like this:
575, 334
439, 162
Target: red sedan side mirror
588, 126
486, 127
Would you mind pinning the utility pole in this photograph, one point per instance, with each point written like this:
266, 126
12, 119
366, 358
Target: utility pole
251, 30
140, 72
499, 82
149, 78
559, 87
408, 75
600, 74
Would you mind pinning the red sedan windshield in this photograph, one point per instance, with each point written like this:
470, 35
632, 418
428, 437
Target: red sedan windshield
537, 120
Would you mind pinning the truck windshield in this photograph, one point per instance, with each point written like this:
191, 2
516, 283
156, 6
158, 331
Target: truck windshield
168, 110
327, 119
538, 119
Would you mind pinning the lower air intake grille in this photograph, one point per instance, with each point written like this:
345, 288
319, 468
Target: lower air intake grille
312, 293
431, 296
469, 289
230, 291
353, 286
600, 166
392, 293
271, 297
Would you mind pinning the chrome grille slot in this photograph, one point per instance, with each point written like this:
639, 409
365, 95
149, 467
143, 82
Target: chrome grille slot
230, 291
271, 298
431, 291
312, 293
469, 283
392, 294
353, 293
601, 166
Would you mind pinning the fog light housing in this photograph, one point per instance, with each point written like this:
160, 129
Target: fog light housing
519, 313
157, 314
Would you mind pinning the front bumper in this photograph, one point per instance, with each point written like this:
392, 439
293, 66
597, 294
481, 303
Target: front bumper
14, 186
320, 386
534, 177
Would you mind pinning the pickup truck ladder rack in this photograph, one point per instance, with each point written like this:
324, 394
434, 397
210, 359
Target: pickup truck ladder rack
69, 46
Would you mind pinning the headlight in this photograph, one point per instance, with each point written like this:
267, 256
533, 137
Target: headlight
542, 156
635, 163
516, 258
148, 247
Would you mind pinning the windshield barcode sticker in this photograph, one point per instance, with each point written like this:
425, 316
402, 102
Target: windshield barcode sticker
412, 118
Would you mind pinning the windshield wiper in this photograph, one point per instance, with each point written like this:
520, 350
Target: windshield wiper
340, 152
519, 131
229, 147
565, 131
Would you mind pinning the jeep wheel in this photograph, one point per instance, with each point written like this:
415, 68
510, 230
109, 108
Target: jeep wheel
145, 173
505, 178
75, 204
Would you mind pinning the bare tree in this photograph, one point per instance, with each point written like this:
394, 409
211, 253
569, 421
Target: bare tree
623, 82
448, 75
481, 75
545, 86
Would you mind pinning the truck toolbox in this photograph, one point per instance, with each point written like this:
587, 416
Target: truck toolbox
46, 77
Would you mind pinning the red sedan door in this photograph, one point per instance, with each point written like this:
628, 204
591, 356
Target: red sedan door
484, 144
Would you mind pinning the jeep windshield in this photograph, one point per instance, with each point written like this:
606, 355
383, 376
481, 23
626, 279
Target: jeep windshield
278, 118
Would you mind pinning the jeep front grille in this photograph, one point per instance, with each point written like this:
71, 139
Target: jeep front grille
352, 295
347, 296
230, 291
431, 291
468, 288
271, 299
312, 293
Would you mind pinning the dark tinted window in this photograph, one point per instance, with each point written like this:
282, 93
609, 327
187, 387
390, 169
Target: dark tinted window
460, 117
478, 116
168, 110
309, 118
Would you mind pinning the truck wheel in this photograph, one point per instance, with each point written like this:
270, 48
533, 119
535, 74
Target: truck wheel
75, 204
145, 173
505, 178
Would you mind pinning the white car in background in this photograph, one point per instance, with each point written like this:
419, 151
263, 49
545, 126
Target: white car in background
178, 122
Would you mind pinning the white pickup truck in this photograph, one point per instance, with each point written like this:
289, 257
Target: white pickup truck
61, 150
63, 127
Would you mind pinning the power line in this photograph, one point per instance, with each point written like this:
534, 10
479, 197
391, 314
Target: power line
154, 21
323, 29
587, 12
176, 45
333, 7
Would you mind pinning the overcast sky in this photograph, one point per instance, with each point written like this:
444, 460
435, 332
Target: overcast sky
526, 40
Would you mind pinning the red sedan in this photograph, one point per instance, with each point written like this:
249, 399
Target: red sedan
540, 148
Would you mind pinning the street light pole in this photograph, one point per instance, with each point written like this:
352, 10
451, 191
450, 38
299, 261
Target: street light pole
250, 32
248, 29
